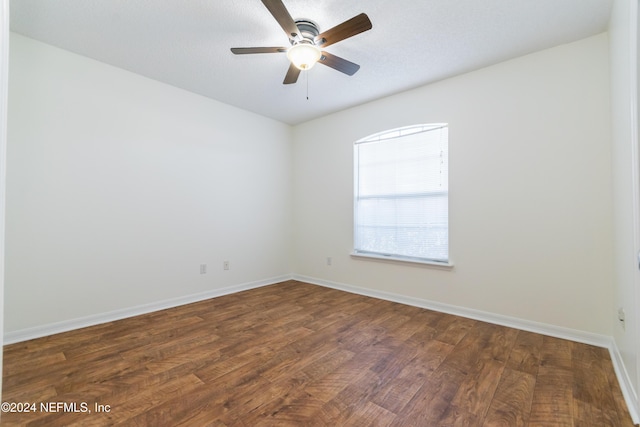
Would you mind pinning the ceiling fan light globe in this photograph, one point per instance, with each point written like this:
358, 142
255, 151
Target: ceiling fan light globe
304, 55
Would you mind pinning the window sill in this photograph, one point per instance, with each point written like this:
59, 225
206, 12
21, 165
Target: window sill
374, 257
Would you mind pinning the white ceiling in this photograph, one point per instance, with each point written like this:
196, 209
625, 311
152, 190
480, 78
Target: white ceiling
412, 43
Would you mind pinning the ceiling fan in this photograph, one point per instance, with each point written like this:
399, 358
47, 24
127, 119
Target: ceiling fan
307, 42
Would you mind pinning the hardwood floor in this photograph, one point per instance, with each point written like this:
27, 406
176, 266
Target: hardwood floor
294, 354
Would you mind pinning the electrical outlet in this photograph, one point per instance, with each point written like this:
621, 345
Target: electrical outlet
621, 317
225, 265
203, 268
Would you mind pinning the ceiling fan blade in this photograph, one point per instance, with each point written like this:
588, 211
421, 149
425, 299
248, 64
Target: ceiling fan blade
340, 64
356, 25
247, 50
281, 14
292, 75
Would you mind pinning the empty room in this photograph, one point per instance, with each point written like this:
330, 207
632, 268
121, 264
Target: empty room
288, 213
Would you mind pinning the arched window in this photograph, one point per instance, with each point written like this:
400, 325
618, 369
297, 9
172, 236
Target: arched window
401, 194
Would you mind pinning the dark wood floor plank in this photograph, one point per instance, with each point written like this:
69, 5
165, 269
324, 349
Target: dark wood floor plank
525, 355
501, 342
295, 354
401, 388
477, 389
594, 402
370, 414
511, 403
621, 408
430, 404
345, 404
452, 330
42, 361
473, 348
552, 398
556, 352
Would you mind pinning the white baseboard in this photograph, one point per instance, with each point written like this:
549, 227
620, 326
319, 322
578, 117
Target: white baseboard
629, 393
604, 341
484, 316
68, 325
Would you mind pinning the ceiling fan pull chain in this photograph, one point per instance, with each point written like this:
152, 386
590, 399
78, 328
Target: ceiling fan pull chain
307, 76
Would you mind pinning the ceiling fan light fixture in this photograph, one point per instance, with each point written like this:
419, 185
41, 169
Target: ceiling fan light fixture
304, 55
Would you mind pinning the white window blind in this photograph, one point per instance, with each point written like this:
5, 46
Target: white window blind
401, 194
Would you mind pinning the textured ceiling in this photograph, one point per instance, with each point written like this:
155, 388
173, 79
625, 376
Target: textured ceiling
412, 43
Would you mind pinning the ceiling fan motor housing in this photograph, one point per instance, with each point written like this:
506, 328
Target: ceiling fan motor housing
308, 31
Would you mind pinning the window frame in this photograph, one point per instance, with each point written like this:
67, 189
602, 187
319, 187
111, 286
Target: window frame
374, 255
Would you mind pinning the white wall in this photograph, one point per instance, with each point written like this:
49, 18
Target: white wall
119, 187
624, 148
530, 190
